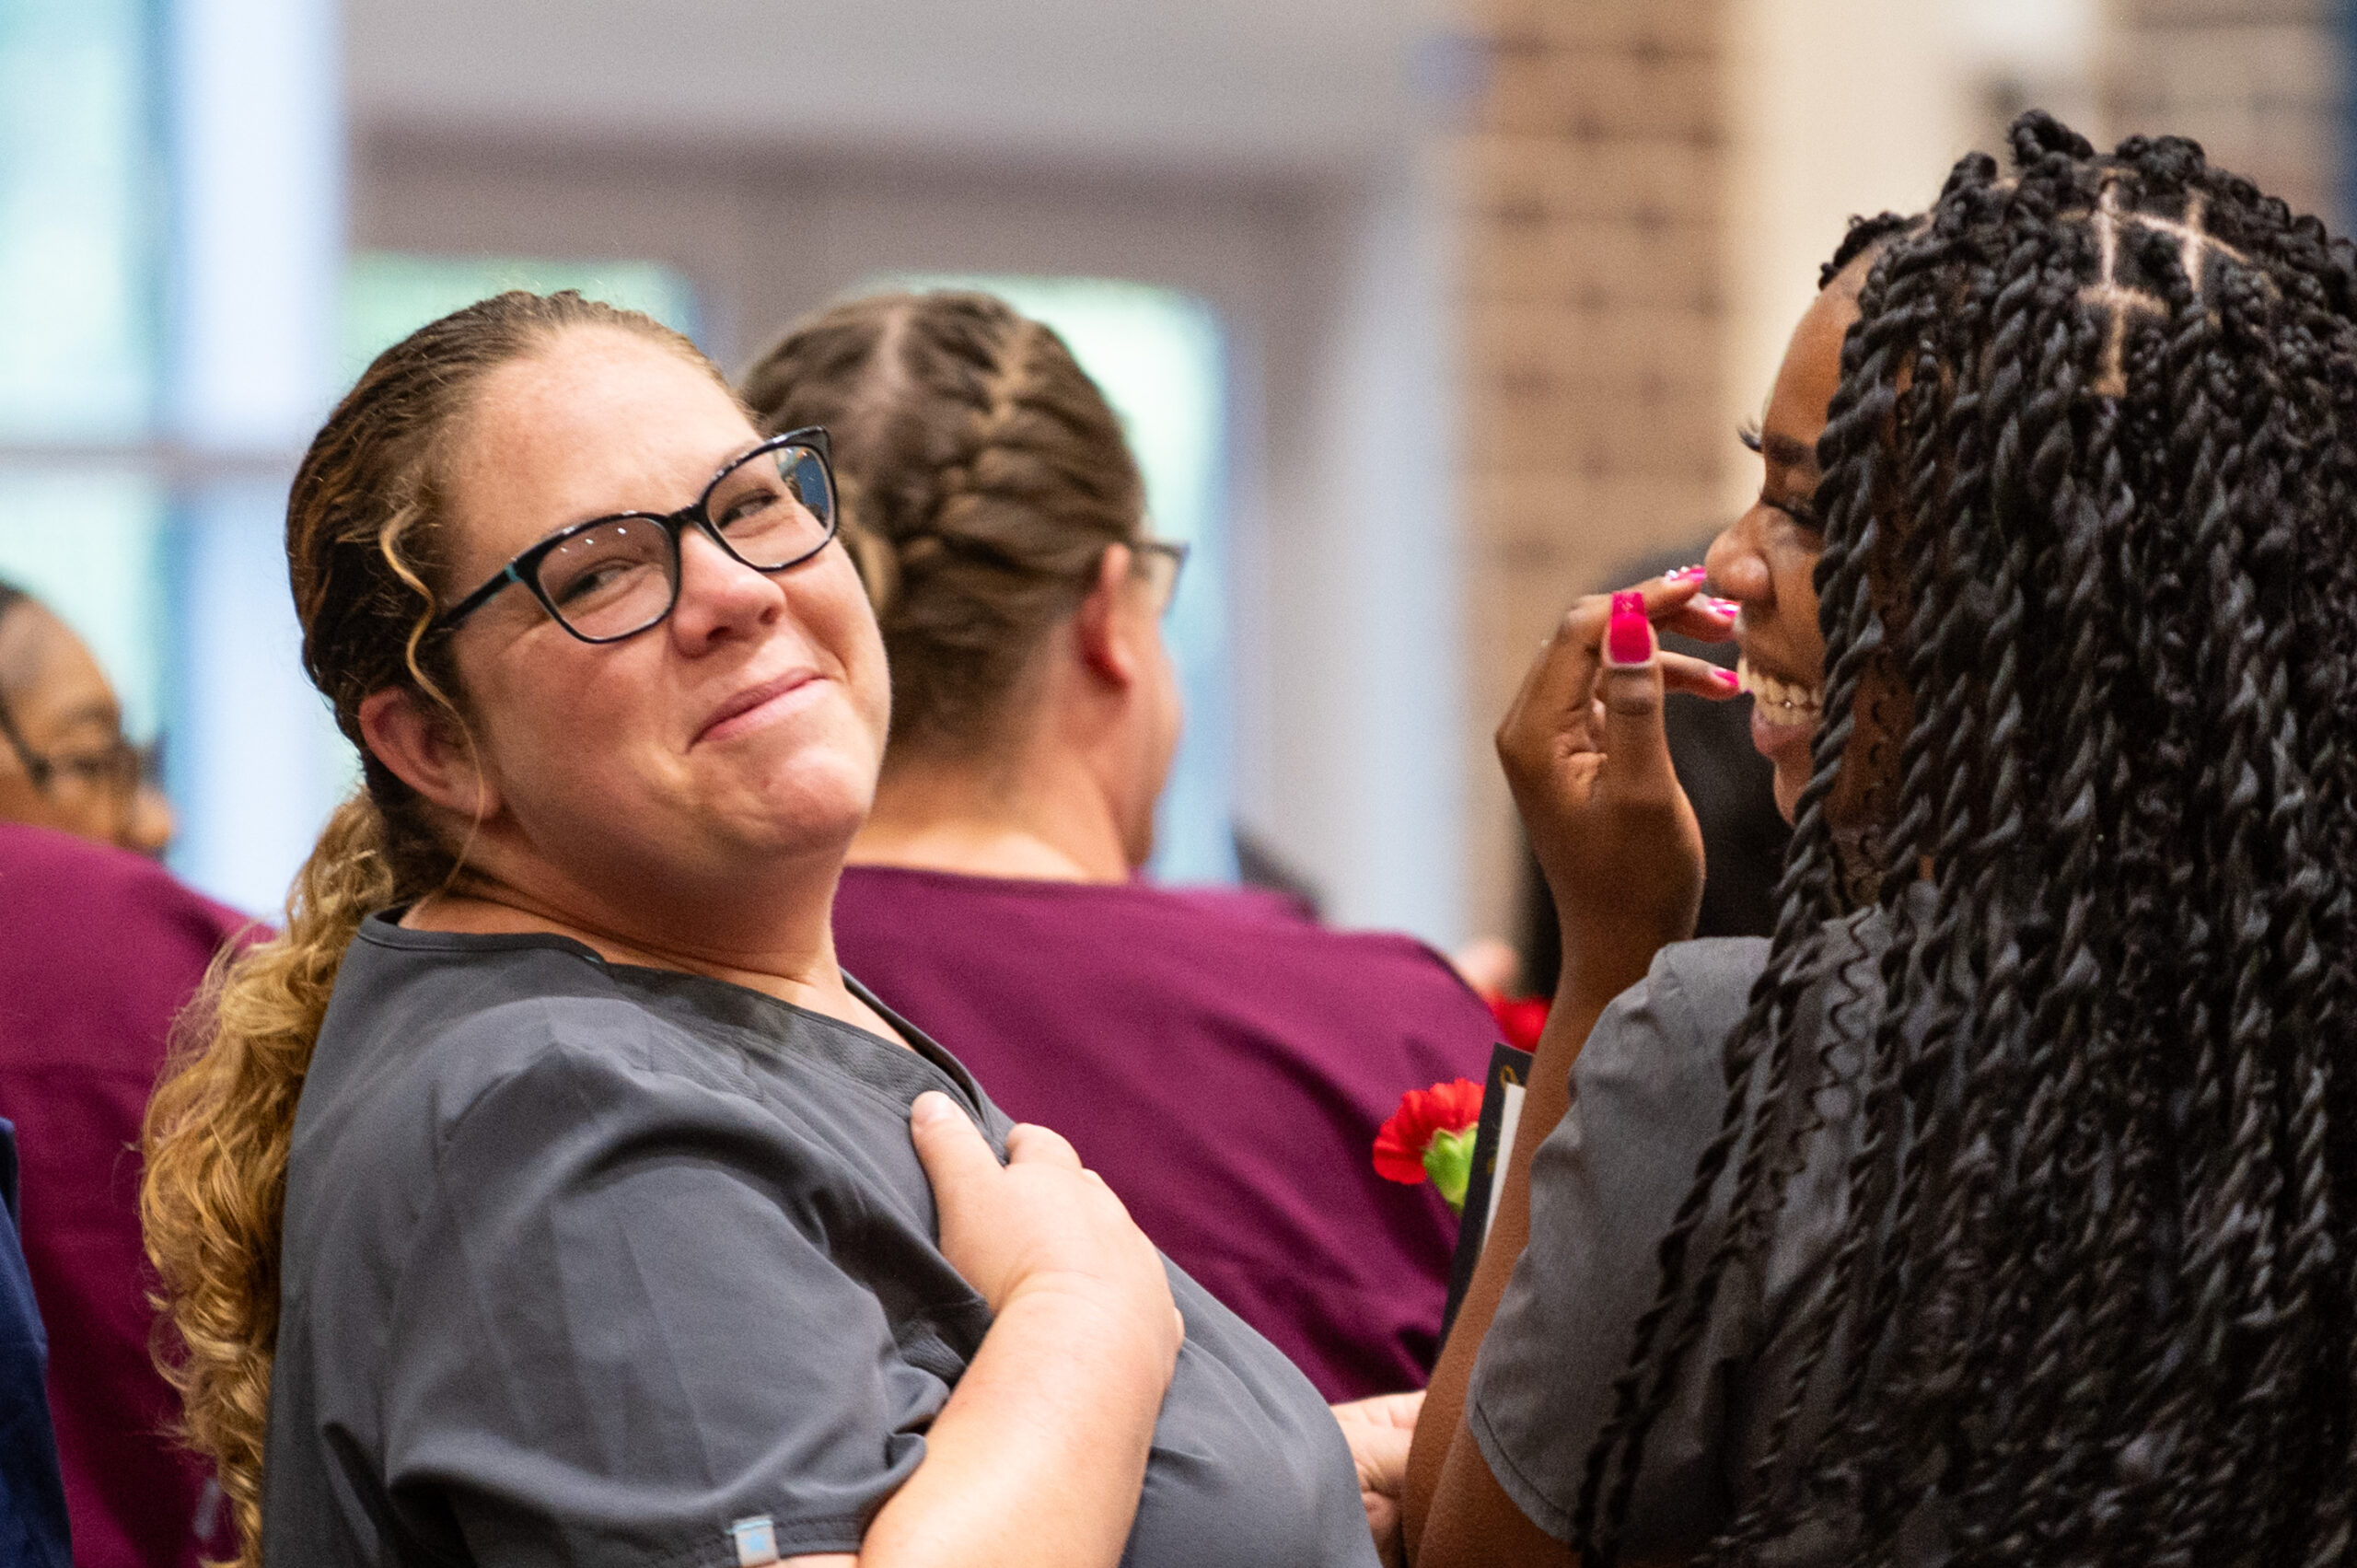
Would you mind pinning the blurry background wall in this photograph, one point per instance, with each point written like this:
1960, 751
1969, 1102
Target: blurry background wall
171, 182
1439, 311
1266, 161
1647, 189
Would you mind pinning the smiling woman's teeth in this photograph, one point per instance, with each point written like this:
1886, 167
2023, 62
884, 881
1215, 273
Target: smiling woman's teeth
1780, 701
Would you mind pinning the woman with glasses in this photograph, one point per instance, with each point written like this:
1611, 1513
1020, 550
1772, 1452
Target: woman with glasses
64, 761
547, 1193
1221, 1058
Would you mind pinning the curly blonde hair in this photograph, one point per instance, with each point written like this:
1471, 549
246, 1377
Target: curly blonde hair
362, 522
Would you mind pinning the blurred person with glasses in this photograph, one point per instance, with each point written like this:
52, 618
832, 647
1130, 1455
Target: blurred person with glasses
1222, 1058
65, 763
549, 1192
100, 949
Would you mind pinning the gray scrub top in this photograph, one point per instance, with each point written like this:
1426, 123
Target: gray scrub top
1649, 1090
589, 1264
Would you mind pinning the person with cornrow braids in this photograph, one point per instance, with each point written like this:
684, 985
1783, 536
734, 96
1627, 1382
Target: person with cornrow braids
1222, 1058
2000, 1208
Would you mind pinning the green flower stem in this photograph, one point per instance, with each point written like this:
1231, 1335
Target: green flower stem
1448, 1160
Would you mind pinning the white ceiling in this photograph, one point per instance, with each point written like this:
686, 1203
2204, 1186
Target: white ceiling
1264, 84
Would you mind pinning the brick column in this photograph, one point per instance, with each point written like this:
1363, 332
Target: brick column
1590, 224
2259, 83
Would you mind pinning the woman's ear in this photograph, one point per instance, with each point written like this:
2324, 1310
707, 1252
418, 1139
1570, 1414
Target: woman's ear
422, 748
1100, 623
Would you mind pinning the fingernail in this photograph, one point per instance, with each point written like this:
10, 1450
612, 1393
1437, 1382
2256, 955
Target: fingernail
1725, 607
1686, 574
1628, 637
930, 1106
1728, 679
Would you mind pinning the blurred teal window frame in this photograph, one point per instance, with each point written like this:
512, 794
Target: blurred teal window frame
81, 231
91, 543
389, 294
83, 517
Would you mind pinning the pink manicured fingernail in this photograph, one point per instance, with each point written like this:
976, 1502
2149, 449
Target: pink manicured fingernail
1728, 679
1725, 607
1628, 637
1687, 573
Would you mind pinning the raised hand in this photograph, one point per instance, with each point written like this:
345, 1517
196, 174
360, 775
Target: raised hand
1041, 1223
1587, 757
1379, 1430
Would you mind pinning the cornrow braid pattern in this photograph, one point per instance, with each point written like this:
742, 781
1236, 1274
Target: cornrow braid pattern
984, 476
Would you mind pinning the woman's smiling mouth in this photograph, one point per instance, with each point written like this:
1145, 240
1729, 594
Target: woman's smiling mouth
1779, 702
1784, 714
755, 706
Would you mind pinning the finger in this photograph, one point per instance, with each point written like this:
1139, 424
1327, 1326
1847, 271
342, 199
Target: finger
1381, 1410
1682, 672
1636, 747
949, 1146
1673, 602
1029, 1144
1703, 618
1549, 704
1382, 1456
1551, 701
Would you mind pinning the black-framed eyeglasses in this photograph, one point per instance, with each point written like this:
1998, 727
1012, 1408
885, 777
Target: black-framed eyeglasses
614, 576
116, 769
1165, 578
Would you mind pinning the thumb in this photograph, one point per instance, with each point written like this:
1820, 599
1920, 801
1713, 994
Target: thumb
1636, 746
948, 1144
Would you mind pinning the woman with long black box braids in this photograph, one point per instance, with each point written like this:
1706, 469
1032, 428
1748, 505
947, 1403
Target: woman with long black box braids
2022, 1225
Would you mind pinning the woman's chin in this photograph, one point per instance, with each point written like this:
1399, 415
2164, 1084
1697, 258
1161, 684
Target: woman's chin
805, 808
1789, 749
1791, 776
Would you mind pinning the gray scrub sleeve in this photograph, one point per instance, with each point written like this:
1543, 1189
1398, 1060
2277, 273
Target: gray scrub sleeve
1648, 1092
621, 1321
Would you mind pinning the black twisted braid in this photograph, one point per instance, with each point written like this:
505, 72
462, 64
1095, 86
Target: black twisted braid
2089, 558
1864, 235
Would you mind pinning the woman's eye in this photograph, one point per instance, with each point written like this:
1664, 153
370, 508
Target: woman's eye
590, 582
751, 508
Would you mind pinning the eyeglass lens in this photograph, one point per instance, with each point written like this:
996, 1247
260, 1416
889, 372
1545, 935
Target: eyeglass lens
771, 509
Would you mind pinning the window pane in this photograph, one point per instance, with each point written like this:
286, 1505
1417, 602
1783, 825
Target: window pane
255, 763
78, 251
91, 546
388, 295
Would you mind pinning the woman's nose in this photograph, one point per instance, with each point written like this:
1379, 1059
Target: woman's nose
1737, 570
717, 591
149, 826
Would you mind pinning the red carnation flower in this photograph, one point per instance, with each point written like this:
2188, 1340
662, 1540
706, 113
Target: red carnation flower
1520, 1019
1430, 1137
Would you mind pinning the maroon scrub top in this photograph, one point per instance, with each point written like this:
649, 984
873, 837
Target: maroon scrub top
99, 949
1224, 1062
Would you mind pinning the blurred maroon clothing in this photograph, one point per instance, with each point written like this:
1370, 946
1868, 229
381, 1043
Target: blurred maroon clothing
1224, 1062
98, 949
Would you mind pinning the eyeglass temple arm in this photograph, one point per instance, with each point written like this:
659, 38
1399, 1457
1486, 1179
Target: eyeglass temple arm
36, 767
477, 600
